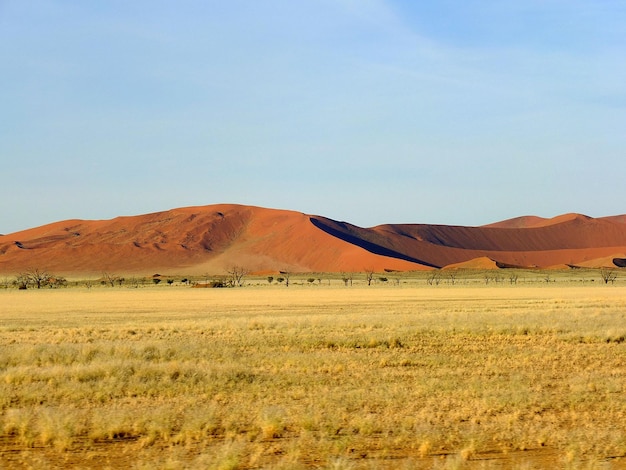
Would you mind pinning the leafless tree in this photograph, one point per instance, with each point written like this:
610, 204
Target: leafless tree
34, 277
369, 275
236, 275
434, 278
608, 275
285, 275
109, 278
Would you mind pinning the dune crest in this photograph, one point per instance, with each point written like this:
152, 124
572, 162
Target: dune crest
210, 239
525, 221
482, 262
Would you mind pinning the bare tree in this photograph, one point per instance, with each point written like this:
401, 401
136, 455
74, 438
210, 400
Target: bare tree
236, 275
608, 275
109, 278
369, 275
434, 278
286, 276
34, 277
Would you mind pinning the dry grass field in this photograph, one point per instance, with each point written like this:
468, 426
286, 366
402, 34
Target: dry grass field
314, 376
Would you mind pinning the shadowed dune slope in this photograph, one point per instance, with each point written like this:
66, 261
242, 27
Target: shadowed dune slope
569, 239
210, 239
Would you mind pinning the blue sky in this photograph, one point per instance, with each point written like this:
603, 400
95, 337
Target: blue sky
369, 111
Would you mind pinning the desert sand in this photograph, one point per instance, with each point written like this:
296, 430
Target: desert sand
210, 239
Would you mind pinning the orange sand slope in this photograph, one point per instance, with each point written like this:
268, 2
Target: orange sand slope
210, 239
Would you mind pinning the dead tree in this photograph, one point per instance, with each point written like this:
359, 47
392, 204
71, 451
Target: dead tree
608, 275
434, 278
108, 278
236, 275
34, 277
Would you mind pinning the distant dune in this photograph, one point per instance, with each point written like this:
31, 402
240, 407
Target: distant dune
210, 239
525, 221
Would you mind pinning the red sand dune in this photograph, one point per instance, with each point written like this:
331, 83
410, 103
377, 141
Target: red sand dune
524, 221
210, 239
477, 263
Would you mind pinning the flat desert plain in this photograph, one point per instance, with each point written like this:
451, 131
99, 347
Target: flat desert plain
314, 376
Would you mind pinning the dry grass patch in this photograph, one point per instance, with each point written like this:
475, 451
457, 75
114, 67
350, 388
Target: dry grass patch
448, 377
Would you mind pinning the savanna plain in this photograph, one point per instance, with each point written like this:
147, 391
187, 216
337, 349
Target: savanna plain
315, 375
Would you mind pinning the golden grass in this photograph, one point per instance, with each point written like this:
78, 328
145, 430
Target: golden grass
324, 377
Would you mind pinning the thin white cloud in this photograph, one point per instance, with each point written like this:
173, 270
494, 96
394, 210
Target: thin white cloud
231, 100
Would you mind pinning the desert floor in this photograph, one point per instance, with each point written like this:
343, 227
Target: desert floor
314, 376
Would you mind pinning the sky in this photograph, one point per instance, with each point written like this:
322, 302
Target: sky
367, 111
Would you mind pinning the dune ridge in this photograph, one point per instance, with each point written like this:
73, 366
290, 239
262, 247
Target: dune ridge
212, 238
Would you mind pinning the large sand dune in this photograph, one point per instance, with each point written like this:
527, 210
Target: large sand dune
210, 239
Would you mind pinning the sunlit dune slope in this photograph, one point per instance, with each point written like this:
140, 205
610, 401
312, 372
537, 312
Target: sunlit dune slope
477, 263
192, 240
211, 239
524, 221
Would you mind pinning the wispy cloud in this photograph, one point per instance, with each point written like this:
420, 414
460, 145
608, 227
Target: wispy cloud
306, 94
